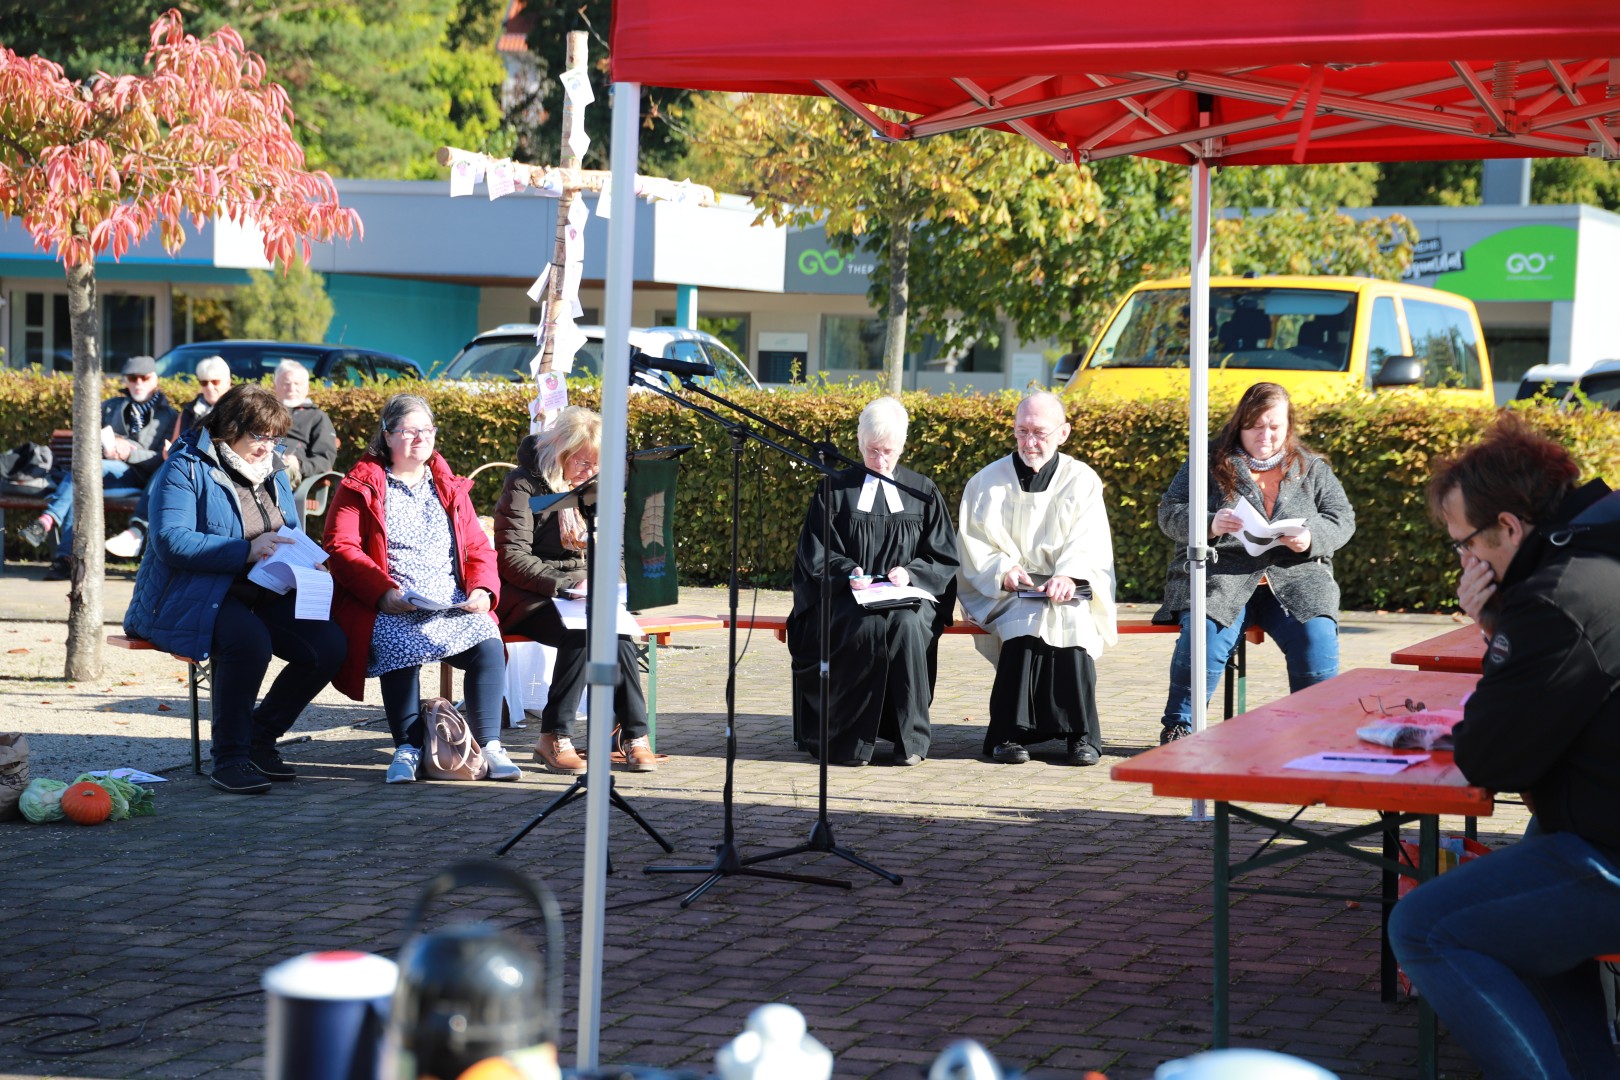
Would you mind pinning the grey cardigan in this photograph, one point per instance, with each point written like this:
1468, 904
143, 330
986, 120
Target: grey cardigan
1302, 583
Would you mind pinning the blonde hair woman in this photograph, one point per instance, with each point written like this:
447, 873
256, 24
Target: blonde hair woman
541, 556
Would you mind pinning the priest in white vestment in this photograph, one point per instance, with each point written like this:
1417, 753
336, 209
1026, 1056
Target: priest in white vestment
1034, 523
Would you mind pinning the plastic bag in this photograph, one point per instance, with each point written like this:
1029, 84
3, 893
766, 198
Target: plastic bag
13, 772
42, 800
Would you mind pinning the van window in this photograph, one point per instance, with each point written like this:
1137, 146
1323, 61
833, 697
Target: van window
1261, 328
1443, 338
1383, 337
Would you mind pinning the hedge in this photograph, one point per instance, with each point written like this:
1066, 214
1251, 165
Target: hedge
1380, 447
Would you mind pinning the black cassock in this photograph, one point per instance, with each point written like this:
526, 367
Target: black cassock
882, 661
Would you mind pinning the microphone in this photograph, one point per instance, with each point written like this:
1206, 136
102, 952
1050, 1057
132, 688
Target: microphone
684, 369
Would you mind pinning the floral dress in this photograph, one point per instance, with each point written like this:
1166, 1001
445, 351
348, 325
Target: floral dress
421, 556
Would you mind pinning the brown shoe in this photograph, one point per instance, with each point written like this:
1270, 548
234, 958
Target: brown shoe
557, 754
639, 756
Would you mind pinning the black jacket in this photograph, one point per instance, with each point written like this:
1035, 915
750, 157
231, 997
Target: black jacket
1545, 718
534, 565
147, 454
313, 439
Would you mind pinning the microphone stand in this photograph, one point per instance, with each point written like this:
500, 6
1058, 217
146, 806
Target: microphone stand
821, 835
584, 498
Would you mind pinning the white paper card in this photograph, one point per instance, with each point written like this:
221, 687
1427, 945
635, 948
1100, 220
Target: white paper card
604, 201
1372, 764
538, 289
276, 573
314, 597
577, 85
573, 617
1258, 534
553, 390
500, 180
883, 592
578, 141
463, 175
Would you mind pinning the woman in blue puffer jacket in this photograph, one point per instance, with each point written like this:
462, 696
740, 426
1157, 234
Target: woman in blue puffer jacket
216, 506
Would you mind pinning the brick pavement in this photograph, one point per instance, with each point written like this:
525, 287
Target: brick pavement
1058, 917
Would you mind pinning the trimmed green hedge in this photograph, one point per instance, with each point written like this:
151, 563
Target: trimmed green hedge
1379, 446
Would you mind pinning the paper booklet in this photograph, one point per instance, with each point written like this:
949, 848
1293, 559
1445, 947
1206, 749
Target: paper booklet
1082, 588
882, 594
294, 566
423, 603
1260, 535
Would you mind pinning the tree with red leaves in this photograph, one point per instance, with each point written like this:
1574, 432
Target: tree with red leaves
93, 166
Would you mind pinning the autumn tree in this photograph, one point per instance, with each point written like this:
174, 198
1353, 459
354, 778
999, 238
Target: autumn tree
93, 166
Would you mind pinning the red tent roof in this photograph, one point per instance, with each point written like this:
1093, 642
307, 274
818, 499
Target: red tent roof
1268, 81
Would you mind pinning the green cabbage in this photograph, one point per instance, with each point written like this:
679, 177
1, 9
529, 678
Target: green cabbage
42, 800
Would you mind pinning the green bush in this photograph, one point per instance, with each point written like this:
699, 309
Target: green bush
1380, 446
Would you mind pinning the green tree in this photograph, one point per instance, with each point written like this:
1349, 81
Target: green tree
806, 160
1284, 219
290, 306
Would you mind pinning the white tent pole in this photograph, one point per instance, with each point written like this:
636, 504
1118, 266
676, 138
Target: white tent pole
602, 674
1198, 446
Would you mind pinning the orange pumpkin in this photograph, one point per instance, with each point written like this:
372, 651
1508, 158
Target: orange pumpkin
86, 802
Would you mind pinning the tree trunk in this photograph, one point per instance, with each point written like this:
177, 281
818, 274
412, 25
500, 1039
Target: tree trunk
84, 639
894, 345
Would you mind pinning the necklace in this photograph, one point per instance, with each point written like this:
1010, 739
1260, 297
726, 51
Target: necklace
1265, 464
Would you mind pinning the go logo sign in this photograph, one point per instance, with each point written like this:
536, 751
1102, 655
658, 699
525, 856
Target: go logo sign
813, 262
1533, 263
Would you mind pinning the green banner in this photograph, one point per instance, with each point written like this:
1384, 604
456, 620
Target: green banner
1530, 262
649, 534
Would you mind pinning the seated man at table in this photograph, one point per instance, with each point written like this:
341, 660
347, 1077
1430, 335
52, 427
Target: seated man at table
1503, 946
1034, 521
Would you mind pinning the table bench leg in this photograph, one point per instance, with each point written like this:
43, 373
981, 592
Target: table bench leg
1222, 928
196, 720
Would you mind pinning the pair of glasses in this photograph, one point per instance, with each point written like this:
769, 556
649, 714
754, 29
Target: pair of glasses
261, 439
1031, 435
414, 433
1378, 707
210, 382
1461, 546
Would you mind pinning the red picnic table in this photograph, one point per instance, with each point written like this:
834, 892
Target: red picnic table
1459, 650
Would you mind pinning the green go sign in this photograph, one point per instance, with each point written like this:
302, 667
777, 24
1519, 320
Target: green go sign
1531, 262
813, 262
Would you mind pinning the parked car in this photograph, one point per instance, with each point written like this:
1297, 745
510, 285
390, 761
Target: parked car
1320, 337
1600, 383
504, 353
252, 360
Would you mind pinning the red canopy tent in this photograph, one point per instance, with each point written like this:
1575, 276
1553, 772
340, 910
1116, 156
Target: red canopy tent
1258, 83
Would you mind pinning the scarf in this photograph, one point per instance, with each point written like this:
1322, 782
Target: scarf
253, 474
137, 413
1264, 464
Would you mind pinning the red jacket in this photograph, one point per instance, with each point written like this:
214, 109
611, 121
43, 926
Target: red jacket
357, 541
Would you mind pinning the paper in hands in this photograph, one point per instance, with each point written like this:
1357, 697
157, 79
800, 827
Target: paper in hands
423, 603
294, 566
1037, 591
882, 594
1258, 534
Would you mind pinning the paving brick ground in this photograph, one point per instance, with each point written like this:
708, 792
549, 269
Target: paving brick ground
1057, 916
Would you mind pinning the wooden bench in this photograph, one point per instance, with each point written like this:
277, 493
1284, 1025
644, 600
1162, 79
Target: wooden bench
124, 641
1236, 666
1460, 650
658, 632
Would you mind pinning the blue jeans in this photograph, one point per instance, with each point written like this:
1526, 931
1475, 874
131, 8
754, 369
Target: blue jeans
485, 665
1502, 947
1311, 649
117, 480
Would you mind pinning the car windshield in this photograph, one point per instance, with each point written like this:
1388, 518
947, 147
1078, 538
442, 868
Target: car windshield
250, 361
507, 359
1261, 327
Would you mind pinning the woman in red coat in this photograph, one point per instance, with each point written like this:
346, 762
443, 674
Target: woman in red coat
415, 584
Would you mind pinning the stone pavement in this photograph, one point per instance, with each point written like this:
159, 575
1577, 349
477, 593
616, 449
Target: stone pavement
1056, 916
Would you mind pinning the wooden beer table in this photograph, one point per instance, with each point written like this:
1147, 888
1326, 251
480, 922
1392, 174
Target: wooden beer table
1460, 650
1242, 761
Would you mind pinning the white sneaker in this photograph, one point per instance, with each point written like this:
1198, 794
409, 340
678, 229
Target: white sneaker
127, 544
402, 770
500, 766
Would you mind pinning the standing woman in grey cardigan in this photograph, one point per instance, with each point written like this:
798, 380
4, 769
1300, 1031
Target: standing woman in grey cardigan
1287, 589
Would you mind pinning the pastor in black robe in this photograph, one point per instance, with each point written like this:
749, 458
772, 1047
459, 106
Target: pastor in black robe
883, 662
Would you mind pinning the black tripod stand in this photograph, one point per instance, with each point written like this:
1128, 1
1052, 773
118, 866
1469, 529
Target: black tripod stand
582, 498
821, 839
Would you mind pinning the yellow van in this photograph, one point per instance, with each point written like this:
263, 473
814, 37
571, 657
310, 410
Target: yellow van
1320, 337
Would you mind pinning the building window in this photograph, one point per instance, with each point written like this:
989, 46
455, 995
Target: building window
851, 343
